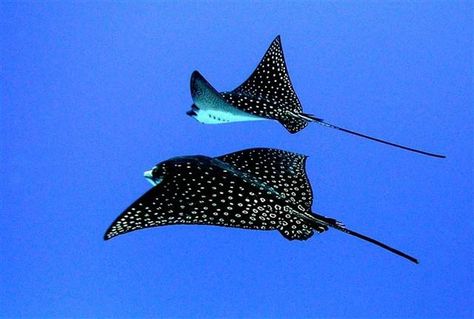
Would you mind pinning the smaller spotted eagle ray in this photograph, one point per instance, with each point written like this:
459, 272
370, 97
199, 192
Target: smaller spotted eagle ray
266, 95
261, 188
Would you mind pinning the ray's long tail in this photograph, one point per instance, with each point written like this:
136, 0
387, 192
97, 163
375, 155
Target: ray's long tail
312, 118
319, 219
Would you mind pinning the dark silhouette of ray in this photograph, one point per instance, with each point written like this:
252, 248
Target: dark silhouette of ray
263, 189
266, 94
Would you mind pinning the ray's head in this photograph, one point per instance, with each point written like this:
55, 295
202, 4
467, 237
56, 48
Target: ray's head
156, 174
169, 168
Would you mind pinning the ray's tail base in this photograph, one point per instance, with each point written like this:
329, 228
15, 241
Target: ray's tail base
312, 118
319, 219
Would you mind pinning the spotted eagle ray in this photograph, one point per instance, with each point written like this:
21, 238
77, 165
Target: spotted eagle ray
266, 95
261, 188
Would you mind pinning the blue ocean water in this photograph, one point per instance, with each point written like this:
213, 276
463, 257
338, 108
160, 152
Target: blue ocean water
95, 93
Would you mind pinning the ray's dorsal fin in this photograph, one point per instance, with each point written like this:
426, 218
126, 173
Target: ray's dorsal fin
271, 81
283, 171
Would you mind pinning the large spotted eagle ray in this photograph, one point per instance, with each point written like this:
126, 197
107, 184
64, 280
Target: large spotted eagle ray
266, 94
261, 188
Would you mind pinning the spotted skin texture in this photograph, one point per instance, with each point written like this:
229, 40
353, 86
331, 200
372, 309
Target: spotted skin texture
266, 94
260, 188
233, 190
283, 171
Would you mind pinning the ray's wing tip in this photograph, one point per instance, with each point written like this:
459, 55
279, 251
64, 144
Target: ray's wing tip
108, 234
195, 75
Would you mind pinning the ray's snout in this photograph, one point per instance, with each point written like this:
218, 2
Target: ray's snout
149, 177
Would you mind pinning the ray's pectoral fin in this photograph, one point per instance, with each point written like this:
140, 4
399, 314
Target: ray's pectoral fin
270, 91
271, 79
137, 215
210, 107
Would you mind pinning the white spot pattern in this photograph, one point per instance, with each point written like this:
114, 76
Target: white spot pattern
268, 92
284, 171
234, 190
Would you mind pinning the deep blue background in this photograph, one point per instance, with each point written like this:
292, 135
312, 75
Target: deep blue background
93, 94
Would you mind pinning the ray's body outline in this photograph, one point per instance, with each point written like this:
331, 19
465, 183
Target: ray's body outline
267, 94
259, 188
